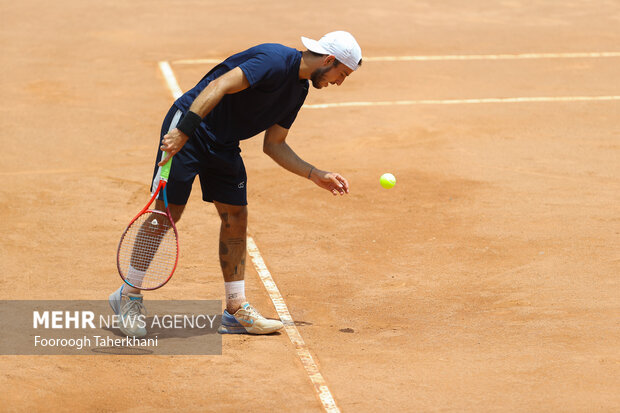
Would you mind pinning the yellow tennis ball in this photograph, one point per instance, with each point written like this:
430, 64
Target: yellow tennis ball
387, 181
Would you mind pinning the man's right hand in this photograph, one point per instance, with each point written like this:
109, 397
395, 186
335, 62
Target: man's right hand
172, 143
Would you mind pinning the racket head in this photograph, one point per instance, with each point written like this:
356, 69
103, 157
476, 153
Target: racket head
150, 245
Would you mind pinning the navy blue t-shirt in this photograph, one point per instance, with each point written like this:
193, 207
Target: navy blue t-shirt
274, 97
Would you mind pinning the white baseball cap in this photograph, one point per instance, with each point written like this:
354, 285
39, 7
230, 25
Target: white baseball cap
340, 44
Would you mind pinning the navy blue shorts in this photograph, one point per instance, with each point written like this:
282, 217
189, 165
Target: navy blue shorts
221, 170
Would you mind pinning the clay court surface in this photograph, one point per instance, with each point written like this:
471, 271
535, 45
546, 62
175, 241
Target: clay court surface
486, 280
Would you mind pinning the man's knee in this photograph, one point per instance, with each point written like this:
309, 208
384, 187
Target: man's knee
233, 214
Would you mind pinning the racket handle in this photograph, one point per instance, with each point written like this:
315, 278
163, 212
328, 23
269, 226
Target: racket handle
165, 170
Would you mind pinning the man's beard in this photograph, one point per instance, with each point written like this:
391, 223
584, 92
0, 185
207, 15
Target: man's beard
318, 75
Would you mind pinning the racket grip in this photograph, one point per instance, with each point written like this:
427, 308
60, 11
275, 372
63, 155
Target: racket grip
165, 170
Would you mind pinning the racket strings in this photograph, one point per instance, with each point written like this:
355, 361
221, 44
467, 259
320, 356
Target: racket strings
148, 250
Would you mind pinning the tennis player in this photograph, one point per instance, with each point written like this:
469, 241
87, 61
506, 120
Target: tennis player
260, 89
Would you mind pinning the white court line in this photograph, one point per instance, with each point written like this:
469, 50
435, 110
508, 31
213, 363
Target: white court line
289, 326
197, 61
301, 348
492, 57
171, 80
587, 55
176, 93
463, 101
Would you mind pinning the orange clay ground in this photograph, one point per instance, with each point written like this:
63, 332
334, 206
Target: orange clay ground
486, 280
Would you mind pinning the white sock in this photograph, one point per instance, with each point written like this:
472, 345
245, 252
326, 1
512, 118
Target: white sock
135, 276
235, 293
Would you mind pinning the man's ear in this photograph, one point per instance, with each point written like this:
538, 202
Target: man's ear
328, 60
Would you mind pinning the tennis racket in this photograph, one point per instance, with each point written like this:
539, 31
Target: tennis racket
148, 251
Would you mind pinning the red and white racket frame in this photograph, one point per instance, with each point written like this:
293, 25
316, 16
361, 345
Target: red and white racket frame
161, 187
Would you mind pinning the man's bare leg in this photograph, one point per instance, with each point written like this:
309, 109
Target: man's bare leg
240, 317
233, 232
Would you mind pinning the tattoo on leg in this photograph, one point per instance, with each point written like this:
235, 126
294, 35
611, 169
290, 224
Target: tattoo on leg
223, 248
225, 219
239, 269
232, 252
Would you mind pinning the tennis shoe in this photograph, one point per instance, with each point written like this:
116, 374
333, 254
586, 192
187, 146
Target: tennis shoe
247, 320
131, 310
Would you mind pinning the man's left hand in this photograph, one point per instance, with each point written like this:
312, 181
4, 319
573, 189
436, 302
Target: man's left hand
332, 181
